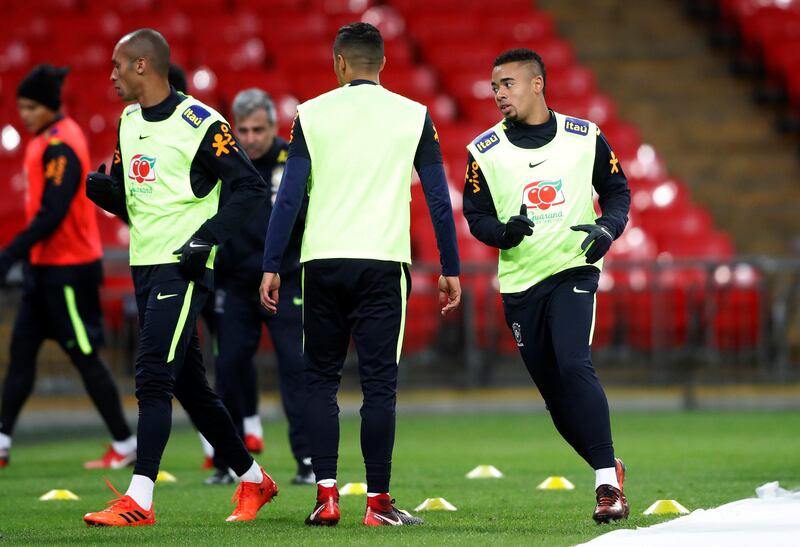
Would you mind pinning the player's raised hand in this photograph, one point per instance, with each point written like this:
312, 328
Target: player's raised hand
449, 293
517, 228
268, 291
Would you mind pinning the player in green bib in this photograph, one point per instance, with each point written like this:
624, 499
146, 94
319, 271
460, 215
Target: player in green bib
529, 192
173, 155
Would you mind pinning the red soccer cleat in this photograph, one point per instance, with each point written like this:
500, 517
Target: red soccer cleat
5, 457
123, 512
382, 512
253, 443
250, 497
111, 460
611, 502
326, 512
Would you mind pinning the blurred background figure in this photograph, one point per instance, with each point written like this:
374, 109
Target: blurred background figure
61, 245
240, 315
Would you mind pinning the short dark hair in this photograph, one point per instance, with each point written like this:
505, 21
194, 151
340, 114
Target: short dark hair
151, 45
523, 55
360, 43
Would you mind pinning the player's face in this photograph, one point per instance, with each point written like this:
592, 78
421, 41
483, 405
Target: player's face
35, 116
515, 88
123, 74
256, 133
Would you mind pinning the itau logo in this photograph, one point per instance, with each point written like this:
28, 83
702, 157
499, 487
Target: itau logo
142, 169
543, 194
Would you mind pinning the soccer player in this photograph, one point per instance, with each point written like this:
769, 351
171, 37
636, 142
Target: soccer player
172, 156
238, 274
538, 167
61, 297
352, 151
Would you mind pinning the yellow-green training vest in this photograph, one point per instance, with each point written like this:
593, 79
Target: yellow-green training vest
362, 140
555, 182
156, 160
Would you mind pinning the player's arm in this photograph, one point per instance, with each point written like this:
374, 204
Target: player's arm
612, 188
480, 211
62, 176
428, 163
107, 191
221, 158
615, 201
289, 201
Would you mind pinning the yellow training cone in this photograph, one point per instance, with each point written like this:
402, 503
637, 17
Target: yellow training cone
556, 483
353, 489
58, 495
165, 476
485, 472
666, 507
436, 504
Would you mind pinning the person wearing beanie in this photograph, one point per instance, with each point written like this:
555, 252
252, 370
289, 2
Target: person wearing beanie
62, 250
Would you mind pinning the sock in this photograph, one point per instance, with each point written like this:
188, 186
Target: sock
141, 490
252, 426
125, 447
208, 450
327, 483
253, 474
5, 441
607, 475
374, 494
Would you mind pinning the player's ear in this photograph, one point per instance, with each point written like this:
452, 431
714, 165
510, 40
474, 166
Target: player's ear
383, 63
140, 64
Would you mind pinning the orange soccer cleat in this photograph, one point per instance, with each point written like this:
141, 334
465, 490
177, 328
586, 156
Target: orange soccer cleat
111, 460
123, 511
254, 443
250, 497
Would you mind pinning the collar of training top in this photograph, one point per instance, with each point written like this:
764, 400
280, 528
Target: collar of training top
165, 108
362, 82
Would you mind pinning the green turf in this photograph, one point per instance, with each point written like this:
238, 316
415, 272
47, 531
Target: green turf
702, 460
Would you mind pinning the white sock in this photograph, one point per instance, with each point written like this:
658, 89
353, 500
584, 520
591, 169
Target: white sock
128, 446
252, 426
208, 450
141, 490
253, 474
5, 441
607, 475
307, 461
327, 483
373, 494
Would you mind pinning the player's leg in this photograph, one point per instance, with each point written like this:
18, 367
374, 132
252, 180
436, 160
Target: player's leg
26, 338
238, 333
327, 335
77, 321
286, 331
378, 324
583, 407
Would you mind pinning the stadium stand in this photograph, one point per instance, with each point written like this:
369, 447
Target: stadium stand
434, 57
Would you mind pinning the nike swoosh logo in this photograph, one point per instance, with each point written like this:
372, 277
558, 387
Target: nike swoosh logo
160, 296
387, 520
316, 512
144, 137
579, 291
297, 301
532, 165
198, 246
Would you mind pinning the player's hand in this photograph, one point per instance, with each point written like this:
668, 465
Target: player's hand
599, 238
268, 291
104, 190
449, 293
517, 228
194, 255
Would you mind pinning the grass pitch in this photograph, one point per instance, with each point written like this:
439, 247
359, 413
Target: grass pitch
700, 459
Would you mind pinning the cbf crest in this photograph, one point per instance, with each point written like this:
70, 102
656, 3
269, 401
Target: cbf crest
517, 330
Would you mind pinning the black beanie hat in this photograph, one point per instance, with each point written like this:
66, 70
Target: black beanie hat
43, 85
